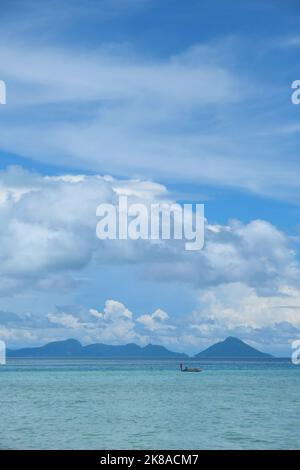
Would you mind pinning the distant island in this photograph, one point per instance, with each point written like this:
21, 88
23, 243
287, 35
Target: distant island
230, 348
73, 348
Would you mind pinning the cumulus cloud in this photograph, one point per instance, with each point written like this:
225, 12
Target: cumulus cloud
256, 253
49, 234
17, 335
191, 333
246, 275
183, 116
155, 321
66, 320
236, 305
115, 324
112, 310
49, 225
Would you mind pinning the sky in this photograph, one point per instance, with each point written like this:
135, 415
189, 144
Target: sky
184, 101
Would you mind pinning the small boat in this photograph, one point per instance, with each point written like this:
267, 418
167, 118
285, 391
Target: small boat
189, 369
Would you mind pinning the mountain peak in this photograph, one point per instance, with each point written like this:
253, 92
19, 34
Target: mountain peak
232, 339
233, 348
69, 341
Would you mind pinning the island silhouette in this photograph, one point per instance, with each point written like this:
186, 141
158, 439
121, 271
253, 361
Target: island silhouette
230, 348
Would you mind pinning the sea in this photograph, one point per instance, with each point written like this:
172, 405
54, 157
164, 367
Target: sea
149, 404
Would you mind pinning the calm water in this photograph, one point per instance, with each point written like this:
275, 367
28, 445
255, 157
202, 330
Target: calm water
94, 404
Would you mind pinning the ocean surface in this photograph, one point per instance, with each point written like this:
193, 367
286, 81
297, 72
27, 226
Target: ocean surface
110, 404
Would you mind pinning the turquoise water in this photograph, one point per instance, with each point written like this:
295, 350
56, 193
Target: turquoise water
101, 404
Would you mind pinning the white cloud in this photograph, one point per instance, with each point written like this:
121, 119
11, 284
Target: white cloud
66, 320
237, 305
256, 253
214, 320
133, 111
115, 324
114, 309
48, 233
49, 225
246, 277
95, 313
155, 321
17, 335
95, 75
111, 110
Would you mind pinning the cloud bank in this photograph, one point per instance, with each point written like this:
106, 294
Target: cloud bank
246, 277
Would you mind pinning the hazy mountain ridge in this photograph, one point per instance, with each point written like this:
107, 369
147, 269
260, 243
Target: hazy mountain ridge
230, 348
73, 348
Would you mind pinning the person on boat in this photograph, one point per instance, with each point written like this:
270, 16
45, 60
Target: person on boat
181, 366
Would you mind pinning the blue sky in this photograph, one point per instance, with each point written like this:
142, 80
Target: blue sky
186, 98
